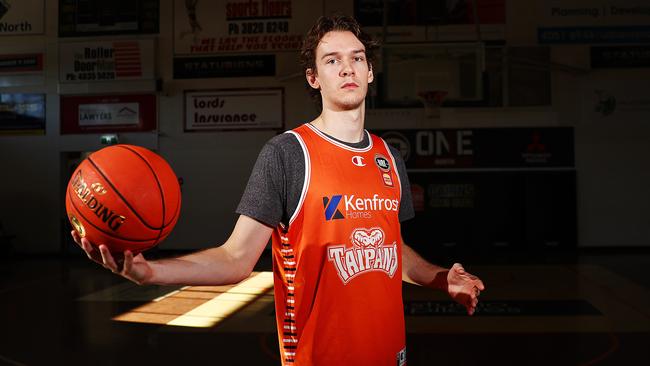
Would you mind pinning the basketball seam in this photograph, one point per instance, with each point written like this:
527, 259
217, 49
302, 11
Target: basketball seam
99, 170
80, 213
162, 193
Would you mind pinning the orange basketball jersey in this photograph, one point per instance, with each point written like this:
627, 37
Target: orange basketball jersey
337, 266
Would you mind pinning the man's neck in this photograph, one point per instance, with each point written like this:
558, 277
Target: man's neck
343, 125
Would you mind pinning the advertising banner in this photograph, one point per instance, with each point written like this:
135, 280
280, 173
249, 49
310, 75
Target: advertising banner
110, 113
483, 148
82, 18
224, 66
242, 26
593, 21
440, 21
234, 109
87, 62
620, 57
22, 17
615, 101
21, 69
22, 113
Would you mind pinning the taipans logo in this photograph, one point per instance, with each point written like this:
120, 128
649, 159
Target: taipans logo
356, 207
358, 161
366, 254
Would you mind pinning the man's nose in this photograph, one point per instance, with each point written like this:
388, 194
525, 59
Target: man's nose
346, 69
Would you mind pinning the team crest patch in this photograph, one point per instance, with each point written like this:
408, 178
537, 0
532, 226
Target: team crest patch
367, 253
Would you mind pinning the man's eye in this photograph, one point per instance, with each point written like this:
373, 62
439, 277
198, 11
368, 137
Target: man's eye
358, 58
331, 61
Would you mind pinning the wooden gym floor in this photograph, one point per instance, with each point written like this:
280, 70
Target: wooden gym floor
591, 309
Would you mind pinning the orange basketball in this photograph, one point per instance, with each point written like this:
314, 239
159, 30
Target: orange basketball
124, 196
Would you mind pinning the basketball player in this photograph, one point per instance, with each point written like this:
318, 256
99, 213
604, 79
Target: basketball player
331, 196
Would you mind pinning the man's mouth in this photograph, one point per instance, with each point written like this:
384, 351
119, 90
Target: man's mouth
350, 86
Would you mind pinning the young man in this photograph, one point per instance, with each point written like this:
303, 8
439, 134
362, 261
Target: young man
331, 196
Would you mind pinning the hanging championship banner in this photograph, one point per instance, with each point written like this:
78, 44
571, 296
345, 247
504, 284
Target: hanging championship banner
22, 113
234, 109
109, 113
82, 18
242, 26
18, 17
88, 62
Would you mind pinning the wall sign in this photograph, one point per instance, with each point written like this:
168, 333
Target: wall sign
19, 17
224, 66
22, 113
593, 21
429, 150
620, 57
110, 113
234, 109
82, 18
230, 26
87, 62
21, 69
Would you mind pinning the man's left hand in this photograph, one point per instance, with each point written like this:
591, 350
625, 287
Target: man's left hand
464, 287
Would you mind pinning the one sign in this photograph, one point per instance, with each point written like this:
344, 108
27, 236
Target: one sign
234, 109
224, 66
82, 18
593, 21
492, 148
620, 57
230, 26
22, 113
88, 62
616, 102
21, 17
99, 114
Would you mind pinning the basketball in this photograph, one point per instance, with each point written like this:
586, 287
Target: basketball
123, 196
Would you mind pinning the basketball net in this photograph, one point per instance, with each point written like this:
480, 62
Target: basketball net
432, 100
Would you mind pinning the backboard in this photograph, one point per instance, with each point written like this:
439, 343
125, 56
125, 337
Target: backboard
411, 70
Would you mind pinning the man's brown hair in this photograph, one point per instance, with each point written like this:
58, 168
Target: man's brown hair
324, 25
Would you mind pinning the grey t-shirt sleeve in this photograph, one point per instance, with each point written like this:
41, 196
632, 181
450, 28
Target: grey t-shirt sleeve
276, 182
406, 210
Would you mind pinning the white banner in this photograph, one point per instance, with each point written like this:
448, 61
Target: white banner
615, 101
572, 13
21, 17
113, 114
242, 26
87, 62
234, 109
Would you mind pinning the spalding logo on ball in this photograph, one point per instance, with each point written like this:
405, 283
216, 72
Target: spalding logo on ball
123, 196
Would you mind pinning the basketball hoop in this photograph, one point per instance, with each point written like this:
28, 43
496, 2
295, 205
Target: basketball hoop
432, 100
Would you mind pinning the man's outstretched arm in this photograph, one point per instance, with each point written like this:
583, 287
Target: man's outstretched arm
461, 286
226, 264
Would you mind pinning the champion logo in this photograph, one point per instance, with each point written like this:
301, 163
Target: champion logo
358, 161
331, 204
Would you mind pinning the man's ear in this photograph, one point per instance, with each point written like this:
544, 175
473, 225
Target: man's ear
371, 75
311, 78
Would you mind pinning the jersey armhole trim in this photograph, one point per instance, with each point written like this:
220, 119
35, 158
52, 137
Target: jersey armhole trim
305, 184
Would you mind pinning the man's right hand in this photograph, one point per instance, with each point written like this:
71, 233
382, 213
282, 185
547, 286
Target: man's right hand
135, 269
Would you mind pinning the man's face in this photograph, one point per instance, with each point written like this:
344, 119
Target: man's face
342, 71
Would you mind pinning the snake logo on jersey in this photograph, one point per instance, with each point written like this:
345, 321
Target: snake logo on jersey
368, 253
